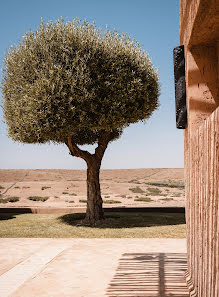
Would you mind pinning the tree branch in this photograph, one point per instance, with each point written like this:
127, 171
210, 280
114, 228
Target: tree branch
104, 138
76, 151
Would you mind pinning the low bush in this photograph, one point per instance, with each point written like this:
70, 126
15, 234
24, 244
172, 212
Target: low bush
154, 190
137, 190
176, 194
45, 187
134, 181
38, 198
9, 199
83, 201
111, 201
2, 200
143, 199
169, 184
13, 199
167, 199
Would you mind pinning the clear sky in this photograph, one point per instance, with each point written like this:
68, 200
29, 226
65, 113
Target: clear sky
155, 25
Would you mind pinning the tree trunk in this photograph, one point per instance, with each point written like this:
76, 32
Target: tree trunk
94, 211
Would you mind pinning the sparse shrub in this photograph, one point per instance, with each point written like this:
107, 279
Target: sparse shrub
156, 194
107, 196
65, 193
2, 200
83, 200
137, 190
143, 199
1, 187
176, 194
71, 201
25, 187
167, 199
56, 197
134, 181
73, 194
17, 187
169, 184
45, 187
111, 201
38, 198
123, 196
9, 199
13, 199
154, 190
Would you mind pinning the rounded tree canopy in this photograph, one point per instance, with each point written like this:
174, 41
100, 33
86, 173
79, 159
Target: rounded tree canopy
73, 79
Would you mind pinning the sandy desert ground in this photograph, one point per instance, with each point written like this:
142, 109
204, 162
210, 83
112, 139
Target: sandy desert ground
67, 188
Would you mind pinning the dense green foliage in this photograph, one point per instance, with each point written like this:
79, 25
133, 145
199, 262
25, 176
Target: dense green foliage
72, 78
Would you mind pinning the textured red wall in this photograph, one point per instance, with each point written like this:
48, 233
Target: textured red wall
199, 32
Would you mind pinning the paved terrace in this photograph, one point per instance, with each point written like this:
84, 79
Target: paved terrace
33, 267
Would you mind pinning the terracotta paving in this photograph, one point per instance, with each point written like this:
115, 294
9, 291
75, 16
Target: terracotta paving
33, 267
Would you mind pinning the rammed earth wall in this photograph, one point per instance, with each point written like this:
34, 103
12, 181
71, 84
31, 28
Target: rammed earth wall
199, 32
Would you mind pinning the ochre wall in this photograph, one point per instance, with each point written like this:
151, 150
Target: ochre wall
202, 211
199, 32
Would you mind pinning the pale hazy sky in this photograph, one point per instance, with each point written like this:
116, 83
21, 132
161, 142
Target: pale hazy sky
155, 25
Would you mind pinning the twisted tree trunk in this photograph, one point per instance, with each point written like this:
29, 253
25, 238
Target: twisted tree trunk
94, 210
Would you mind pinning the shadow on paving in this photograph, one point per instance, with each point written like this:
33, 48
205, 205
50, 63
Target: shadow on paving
149, 275
129, 220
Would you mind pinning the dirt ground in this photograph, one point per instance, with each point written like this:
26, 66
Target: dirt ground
67, 188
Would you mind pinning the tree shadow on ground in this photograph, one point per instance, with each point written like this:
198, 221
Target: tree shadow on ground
7, 216
128, 220
152, 275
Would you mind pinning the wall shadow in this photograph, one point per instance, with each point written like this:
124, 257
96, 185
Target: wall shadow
149, 275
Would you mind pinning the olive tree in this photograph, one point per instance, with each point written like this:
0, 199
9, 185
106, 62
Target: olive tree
72, 83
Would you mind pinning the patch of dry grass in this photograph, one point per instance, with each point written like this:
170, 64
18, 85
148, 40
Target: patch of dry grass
167, 199
169, 184
38, 198
119, 225
111, 201
154, 190
9, 199
137, 190
144, 199
134, 181
45, 187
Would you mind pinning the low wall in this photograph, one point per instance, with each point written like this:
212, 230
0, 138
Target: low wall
50, 210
